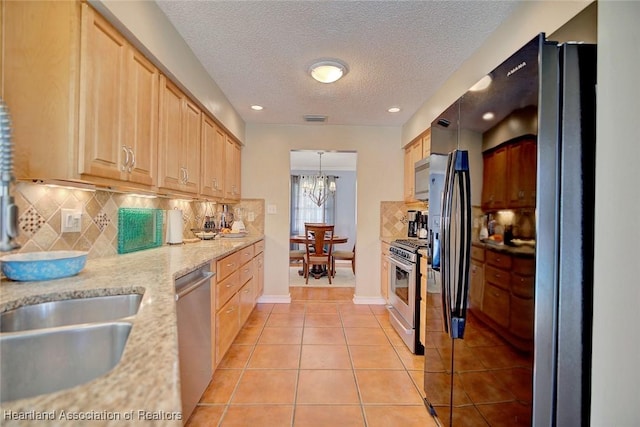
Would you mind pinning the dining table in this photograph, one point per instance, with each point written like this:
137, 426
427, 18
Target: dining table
317, 271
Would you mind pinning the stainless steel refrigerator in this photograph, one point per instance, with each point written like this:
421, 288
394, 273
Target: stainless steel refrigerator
477, 371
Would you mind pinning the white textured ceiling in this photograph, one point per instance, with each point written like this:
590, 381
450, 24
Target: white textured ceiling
398, 53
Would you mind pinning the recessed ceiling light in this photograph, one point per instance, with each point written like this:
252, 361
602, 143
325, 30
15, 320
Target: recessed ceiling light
488, 116
394, 109
482, 84
328, 71
257, 107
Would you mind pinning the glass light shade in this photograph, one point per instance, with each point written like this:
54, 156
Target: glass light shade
328, 71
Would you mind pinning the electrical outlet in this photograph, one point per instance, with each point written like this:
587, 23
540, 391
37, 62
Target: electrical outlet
251, 217
71, 221
272, 209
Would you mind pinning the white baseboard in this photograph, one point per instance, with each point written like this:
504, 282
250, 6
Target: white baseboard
275, 299
369, 300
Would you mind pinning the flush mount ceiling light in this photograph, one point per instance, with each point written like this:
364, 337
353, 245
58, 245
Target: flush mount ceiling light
257, 107
328, 71
482, 84
394, 110
488, 116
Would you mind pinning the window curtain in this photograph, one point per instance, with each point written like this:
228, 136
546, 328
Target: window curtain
304, 210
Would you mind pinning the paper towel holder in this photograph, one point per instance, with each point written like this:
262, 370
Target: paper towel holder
174, 227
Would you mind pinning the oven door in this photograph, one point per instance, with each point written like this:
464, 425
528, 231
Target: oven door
402, 288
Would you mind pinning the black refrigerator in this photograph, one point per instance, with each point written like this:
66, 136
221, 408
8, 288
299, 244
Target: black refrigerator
507, 347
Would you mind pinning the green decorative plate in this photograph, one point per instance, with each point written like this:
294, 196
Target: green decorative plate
139, 229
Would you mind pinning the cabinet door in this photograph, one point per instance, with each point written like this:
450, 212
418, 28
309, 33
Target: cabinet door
522, 174
426, 144
170, 174
227, 326
190, 154
476, 286
494, 179
232, 170
213, 144
496, 303
141, 119
384, 271
529, 172
102, 64
413, 153
259, 273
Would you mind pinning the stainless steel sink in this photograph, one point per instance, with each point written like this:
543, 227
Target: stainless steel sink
70, 312
47, 360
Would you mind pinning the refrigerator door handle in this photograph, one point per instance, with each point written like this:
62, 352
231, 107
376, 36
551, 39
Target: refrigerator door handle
456, 212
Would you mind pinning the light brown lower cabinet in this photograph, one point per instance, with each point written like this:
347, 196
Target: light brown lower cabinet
227, 326
240, 276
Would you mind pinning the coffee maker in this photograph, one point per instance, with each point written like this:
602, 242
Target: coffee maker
413, 217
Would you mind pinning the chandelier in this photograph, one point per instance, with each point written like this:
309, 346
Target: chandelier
318, 188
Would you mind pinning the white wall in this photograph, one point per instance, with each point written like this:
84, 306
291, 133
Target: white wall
616, 338
265, 174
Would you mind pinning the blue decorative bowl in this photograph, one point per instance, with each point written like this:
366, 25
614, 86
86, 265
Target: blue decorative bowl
31, 266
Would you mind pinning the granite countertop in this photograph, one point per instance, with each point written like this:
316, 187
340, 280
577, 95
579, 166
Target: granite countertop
144, 388
524, 251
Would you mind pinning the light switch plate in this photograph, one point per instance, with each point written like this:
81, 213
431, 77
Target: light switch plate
71, 221
272, 210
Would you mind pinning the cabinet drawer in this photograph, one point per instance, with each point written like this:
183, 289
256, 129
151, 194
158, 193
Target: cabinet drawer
258, 247
246, 254
522, 317
228, 265
227, 325
522, 286
498, 259
495, 304
477, 253
524, 266
226, 288
247, 300
497, 277
246, 272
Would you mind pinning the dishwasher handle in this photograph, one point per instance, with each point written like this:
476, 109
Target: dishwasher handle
193, 286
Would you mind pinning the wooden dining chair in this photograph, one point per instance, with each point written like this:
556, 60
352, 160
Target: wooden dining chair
345, 256
319, 248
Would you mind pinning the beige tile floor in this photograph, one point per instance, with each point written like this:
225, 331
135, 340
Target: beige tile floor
318, 361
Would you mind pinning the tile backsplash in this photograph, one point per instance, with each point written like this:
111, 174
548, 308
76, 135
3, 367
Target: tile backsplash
393, 218
40, 217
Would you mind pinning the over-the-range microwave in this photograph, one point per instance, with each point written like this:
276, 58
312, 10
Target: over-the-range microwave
421, 183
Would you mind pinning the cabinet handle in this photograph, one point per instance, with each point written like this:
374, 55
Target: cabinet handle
231, 265
230, 286
231, 310
133, 159
126, 158
214, 184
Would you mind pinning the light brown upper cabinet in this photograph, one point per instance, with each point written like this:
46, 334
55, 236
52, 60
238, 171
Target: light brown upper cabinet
118, 105
232, 170
179, 141
41, 54
213, 146
412, 154
83, 101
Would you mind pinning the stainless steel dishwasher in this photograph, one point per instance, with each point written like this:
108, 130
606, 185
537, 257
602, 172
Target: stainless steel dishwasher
193, 306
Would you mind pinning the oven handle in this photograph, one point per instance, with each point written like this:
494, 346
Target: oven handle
401, 263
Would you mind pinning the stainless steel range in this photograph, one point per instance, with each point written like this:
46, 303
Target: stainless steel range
404, 291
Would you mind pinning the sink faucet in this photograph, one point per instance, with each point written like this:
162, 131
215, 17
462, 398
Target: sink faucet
8, 210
